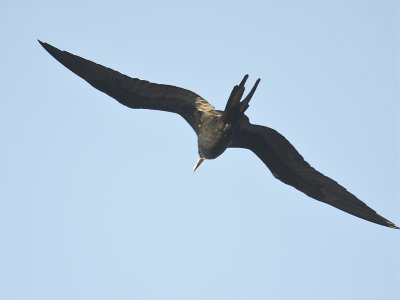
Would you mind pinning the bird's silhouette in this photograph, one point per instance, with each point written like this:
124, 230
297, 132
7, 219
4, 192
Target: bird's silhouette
218, 130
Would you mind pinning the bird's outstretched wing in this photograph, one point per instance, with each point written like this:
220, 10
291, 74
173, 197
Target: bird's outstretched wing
133, 92
287, 165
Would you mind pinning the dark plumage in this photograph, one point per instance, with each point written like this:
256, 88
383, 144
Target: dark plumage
218, 130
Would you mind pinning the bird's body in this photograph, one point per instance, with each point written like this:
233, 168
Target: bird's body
218, 130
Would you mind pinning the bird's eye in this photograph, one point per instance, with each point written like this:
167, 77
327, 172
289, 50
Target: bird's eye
227, 126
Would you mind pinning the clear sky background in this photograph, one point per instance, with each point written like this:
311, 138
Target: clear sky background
98, 201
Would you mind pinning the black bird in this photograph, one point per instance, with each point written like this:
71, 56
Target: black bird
218, 130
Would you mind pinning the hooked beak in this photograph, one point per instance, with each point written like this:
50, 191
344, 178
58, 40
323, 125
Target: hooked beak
199, 161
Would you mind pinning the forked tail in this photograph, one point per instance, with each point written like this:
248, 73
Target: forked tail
234, 107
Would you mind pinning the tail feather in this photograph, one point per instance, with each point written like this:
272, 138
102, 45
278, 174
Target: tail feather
236, 94
234, 107
245, 103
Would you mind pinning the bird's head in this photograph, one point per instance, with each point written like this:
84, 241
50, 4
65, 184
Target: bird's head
211, 146
213, 142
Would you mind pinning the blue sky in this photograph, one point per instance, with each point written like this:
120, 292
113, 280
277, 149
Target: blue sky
97, 201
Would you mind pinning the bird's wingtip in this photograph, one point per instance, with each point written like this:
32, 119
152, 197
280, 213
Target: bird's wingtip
391, 225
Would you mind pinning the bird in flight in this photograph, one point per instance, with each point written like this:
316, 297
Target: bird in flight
218, 130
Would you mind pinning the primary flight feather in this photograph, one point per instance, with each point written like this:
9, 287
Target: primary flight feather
218, 130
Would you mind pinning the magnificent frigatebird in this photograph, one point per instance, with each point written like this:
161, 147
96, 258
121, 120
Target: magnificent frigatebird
218, 130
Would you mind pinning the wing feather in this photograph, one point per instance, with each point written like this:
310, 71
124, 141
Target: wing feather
287, 165
133, 92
